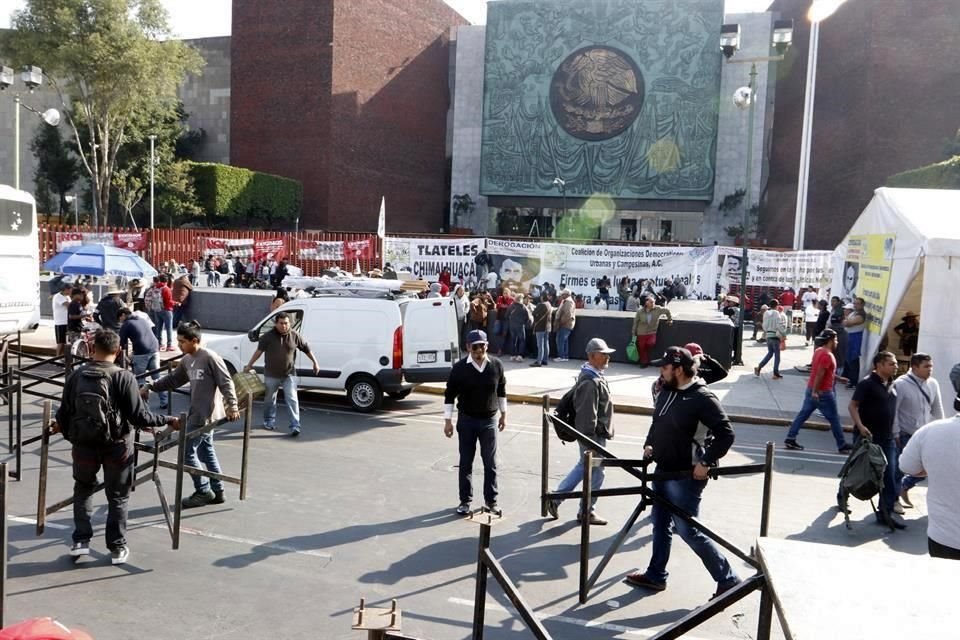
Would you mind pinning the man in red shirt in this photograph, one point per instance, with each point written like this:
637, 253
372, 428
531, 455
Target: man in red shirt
820, 394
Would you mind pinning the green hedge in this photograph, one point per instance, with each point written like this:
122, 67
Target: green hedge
232, 192
943, 175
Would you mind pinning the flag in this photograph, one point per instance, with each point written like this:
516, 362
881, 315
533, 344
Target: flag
382, 222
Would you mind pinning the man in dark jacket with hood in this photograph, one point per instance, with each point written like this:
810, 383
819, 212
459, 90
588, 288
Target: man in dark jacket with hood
683, 403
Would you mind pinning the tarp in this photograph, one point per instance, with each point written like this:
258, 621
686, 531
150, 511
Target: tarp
925, 225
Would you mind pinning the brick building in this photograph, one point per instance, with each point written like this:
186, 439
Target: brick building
888, 86
351, 98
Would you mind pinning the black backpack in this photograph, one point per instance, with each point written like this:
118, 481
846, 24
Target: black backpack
95, 420
566, 416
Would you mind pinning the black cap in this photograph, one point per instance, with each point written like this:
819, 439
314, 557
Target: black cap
677, 356
827, 334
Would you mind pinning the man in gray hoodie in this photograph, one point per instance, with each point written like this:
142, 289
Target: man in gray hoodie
210, 389
594, 419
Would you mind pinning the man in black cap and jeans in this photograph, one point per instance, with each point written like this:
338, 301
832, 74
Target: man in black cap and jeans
479, 386
682, 405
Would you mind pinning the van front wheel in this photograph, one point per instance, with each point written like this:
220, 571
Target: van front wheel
365, 394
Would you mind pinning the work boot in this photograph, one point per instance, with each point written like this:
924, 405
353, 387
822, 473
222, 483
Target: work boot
217, 497
199, 499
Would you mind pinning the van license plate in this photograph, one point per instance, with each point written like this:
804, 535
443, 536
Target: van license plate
426, 357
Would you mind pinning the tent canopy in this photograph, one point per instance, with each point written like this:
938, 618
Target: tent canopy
925, 271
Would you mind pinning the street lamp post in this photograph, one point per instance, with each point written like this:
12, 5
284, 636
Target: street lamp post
32, 77
820, 10
561, 184
153, 163
745, 98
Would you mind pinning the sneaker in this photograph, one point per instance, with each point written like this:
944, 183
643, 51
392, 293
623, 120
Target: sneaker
722, 589
641, 580
535, 364
494, 508
846, 448
464, 508
199, 499
594, 520
898, 508
756, 371
558, 359
777, 376
888, 519
294, 432
80, 549
218, 497
269, 427
553, 509
119, 555
905, 499
793, 445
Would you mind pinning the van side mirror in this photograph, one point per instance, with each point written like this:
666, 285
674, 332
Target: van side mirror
254, 335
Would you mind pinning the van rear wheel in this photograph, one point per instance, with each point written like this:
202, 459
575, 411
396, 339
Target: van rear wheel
365, 394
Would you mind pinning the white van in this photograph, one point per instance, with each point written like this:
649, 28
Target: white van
367, 346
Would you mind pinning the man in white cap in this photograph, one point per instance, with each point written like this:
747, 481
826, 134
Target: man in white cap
594, 419
478, 385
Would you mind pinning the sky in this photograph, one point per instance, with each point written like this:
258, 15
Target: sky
207, 18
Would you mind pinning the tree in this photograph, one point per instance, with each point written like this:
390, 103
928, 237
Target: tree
176, 195
57, 168
951, 147
113, 61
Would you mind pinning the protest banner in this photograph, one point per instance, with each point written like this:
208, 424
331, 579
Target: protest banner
326, 250
426, 257
777, 269
866, 274
133, 241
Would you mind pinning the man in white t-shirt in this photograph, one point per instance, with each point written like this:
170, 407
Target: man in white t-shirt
809, 297
931, 451
61, 301
491, 280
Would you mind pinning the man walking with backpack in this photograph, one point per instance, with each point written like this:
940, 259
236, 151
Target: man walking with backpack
683, 404
99, 409
873, 408
593, 417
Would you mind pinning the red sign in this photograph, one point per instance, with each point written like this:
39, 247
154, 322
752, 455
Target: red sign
130, 241
269, 249
359, 250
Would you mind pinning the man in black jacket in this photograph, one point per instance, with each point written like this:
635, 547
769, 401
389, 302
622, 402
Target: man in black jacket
114, 452
479, 386
681, 406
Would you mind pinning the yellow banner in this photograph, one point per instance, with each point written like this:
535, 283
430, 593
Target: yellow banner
866, 274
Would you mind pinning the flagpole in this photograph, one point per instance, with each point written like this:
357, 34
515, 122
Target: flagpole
382, 232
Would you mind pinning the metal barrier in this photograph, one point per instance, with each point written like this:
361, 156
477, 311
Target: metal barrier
637, 468
162, 442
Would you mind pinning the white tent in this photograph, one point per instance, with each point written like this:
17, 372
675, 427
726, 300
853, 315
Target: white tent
925, 271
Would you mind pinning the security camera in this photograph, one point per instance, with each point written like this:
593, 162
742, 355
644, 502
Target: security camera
743, 97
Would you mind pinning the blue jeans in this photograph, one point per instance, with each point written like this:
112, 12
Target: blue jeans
470, 430
576, 474
543, 346
685, 494
163, 321
563, 343
200, 453
518, 341
150, 362
289, 385
852, 366
773, 351
907, 482
828, 407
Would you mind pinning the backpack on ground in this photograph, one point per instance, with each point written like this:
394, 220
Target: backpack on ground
153, 299
94, 420
861, 475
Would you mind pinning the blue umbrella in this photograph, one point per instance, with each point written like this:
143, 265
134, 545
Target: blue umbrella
99, 260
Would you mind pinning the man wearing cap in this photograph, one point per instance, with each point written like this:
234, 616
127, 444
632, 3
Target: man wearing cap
820, 394
683, 404
479, 387
108, 309
645, 325
594, 418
